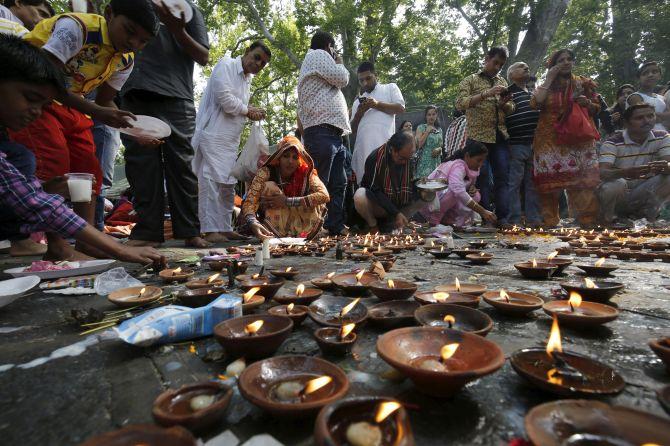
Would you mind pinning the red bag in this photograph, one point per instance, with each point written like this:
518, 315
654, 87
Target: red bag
575, 125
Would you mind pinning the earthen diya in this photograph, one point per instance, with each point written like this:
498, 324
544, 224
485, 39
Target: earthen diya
134, 296
662, 348
582, 315
392, 289
512, 303
145, 434
334, 311
297, 313
335, 341
300, 296
536, 270
355, 283
474, 289
208, 282
479, 259
288, 273
200, 297
195, 406
176, 275
393, 314
595, 291
268, 286
246, 337
456, 317
437, 297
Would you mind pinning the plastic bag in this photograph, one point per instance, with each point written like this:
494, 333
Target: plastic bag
114, 279
256, 147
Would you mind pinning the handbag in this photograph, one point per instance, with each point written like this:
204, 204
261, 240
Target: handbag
575, 126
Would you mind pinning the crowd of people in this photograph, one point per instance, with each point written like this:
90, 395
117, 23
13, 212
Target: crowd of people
516, 155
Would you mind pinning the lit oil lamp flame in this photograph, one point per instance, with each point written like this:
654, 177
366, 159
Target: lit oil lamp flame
316, 383
552, 255
255, 276
379, 247
600, 262
253, 327
457, 283
209, 291
432, 244
575, 300
249, 294
192, 349
554, 377
212, 278
330, 275
442, 248
504, 295
365, 250
391, 283
440, 297
176, 271
289, 308
582, 239
448, 350
142, 291
346, 329
589, 283
347, 308
554, 343
450, 320
288, 269
386, 409
359, 276
299, 290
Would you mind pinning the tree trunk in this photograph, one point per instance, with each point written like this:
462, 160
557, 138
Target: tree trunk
545, 17
514, 22
626, 34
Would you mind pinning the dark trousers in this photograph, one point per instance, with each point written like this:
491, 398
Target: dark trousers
327, 149
151, 170
493, 181
24, 161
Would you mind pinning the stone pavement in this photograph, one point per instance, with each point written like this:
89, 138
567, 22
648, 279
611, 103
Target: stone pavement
110, 384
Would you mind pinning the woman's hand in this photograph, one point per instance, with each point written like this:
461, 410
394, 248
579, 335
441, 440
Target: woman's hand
260, 231
277, 201
552, 73
472, 190
142, 255
489, 216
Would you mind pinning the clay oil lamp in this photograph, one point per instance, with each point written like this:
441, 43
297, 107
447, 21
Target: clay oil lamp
440, 253
578, 314
587, 422
518, 245
337, 311
355, 284
363, 421
455, 317
268, 286
656, 246
513, 304
646, 257
290, 250
195, 406
292, 386
439, 361
297, 313
583, 252
463, 252
245, 277
301, 296
289, 273
324, 283
393, 314
535, 270
360, 255
626, 254
598, 291
134, 296
200, 297
565, 250
276, 252
171, 275
252, 300
395, 248
441, 297
481, 244
393, 289
387, 262
144, 434
561, 263
479, 259
321, 252
662, 349
254, 336
565, 373
474, 289
336, 341
381, 252
210, 282
598, 269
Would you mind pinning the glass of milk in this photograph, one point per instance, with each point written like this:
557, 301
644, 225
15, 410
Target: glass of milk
80, 186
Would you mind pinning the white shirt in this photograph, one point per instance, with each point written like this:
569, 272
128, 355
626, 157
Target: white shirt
220, 120
658, 102
320, 100
375, 127
7, 14
9, 28
67, 40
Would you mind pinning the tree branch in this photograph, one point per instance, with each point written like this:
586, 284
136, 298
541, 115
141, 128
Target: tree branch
266, 32
242, 40
264, 87
471, 22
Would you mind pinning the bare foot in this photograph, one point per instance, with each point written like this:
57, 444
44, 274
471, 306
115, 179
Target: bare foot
232, 235
196, 242
27, 247
148, 243
215, 237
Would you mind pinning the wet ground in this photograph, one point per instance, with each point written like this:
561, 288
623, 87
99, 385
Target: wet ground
111, 384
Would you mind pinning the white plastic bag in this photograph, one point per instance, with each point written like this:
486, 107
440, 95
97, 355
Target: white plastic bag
256, 146
114, 279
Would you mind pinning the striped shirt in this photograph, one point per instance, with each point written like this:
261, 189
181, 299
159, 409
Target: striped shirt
623, 152
7, 27
522, 123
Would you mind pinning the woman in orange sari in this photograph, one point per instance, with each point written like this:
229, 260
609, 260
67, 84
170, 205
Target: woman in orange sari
286, 197
558, 166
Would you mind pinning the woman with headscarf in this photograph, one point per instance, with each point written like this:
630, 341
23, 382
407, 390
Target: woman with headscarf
286, 197
558, 164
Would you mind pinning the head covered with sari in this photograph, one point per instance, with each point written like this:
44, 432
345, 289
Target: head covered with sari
298, 184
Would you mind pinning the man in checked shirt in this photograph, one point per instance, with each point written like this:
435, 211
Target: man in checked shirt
28, 82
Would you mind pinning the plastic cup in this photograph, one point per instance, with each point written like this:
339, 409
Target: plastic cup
80, 186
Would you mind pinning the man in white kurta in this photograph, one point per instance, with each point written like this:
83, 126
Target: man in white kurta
373, 116
221, 117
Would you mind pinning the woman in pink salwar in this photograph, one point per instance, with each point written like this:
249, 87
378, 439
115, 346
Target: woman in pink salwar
460, 200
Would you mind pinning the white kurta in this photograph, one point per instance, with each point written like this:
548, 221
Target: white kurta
220, 121
375, 127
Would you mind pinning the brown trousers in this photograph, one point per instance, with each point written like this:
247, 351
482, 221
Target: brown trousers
583, 205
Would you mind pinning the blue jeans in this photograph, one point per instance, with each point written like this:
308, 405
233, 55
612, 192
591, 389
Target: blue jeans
107, 142
24, 161
498, 160
327, 150
521, 175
